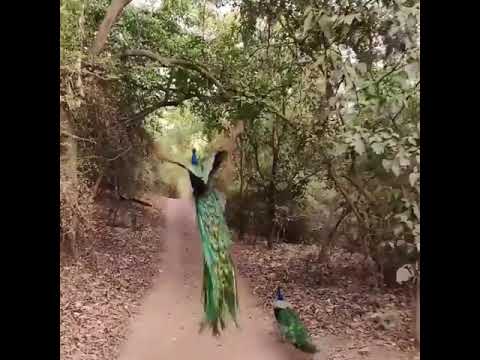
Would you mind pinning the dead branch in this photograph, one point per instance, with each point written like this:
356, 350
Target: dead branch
122, 153
73, 136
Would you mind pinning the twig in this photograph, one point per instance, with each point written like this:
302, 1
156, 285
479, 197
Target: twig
63, 132
395, 68
403, 106
120, 155
141, 202
363, 191
110, 159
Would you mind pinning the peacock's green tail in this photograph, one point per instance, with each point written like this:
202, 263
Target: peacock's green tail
219, 291
293, 330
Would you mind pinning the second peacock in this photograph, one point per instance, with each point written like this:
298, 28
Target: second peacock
290, 326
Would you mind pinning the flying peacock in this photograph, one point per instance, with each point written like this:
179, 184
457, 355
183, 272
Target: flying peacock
219, 292
290, 326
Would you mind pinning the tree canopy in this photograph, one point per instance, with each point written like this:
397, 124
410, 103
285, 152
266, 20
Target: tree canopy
327, 92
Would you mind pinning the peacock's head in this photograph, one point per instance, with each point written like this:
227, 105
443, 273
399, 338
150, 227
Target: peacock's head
279, 295
280, 302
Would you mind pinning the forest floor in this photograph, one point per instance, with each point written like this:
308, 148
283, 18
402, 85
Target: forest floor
136, 296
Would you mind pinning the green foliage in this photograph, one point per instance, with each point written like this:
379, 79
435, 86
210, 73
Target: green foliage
351, 102
70, 42
328, 94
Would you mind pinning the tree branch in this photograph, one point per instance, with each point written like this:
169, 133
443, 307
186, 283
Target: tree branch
377, 82
164, 103
256, 160
333, 176
172, 61
394, 118
122, 153
63, 132
363, 191
113, 13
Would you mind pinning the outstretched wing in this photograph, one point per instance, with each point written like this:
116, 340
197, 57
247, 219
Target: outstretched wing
202, 174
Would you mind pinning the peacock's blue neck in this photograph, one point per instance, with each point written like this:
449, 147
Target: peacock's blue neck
279, 295
194, 159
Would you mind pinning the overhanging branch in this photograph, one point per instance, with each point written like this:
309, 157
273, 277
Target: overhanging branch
152, 108
113, 13
172, 61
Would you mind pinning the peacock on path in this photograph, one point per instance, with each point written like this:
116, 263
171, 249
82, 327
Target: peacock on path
290, 326
219, 292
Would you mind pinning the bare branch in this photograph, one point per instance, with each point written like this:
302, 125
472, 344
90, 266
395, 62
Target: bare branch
358, 186
122, 153
73, 136
338, 186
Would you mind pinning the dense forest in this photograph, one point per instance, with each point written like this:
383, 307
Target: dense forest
317, 102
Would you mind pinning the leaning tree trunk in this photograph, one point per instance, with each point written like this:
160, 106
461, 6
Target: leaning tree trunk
113, 13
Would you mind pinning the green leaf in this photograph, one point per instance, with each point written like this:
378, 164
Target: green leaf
396, 167
402, 157
350, 72
397, 230
325, 23
387, 164
411, 21
378, 148
348, 19
386, 135
358, 144
332, 101
416, 210
361, 67
412, 70
340, 149
405, 273
413, 177
308, 23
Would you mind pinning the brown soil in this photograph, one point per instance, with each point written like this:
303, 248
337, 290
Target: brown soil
168, 325
164, 320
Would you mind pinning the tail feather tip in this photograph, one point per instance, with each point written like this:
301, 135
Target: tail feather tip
309, 348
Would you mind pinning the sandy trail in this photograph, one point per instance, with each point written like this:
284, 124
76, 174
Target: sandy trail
167, 327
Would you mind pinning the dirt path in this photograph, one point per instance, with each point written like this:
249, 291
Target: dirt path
136, 295
167, 327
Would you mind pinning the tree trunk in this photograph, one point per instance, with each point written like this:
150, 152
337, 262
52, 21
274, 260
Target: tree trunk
242, 219
271, 236
69, 185
364, 231
113, 13
331, 234
98, 182
272, 190
417, 315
